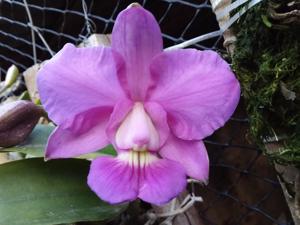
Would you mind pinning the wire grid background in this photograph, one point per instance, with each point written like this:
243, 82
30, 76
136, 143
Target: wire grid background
243, 188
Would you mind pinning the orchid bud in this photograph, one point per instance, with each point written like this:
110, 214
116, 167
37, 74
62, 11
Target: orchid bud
17, 120
11, 76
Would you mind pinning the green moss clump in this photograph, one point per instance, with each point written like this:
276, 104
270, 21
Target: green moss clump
266, 61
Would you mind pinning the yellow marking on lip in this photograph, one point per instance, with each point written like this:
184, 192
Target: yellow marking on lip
138, 158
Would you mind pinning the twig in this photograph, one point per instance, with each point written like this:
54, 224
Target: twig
186, 204
218, 32
196, 40
86, 17
34, 28
32, 31
90, 25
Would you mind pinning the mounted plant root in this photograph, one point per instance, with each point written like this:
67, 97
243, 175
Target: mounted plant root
266, 61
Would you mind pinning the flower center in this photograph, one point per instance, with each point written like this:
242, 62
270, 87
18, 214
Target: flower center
137, 131
138, 158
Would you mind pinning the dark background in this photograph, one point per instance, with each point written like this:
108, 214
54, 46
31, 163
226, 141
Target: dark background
243, 188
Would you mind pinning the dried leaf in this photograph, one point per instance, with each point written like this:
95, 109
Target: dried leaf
288, 94
96, 40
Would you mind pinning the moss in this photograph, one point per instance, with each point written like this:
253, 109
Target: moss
266, 61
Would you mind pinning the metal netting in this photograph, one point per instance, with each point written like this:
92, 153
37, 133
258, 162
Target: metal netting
243, 187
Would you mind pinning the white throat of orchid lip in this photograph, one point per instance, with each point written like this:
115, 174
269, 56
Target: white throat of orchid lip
138, 159
137, 131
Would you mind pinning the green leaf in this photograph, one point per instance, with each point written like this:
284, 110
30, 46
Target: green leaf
25, 96
34, 192
35, 144
108, 150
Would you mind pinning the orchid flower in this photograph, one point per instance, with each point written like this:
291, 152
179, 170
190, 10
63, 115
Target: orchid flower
153, 106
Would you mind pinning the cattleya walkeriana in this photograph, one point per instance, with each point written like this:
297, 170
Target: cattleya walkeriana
153, 106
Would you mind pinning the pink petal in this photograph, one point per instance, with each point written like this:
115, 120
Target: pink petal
196, 88
87, 134
161, 181
136, 36
192, 155
78, 79
113, 180
120, 111
159, 118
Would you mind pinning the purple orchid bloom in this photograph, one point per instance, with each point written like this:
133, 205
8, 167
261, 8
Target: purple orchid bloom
153, 106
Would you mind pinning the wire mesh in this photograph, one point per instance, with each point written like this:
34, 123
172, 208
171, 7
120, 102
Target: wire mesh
243, 187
